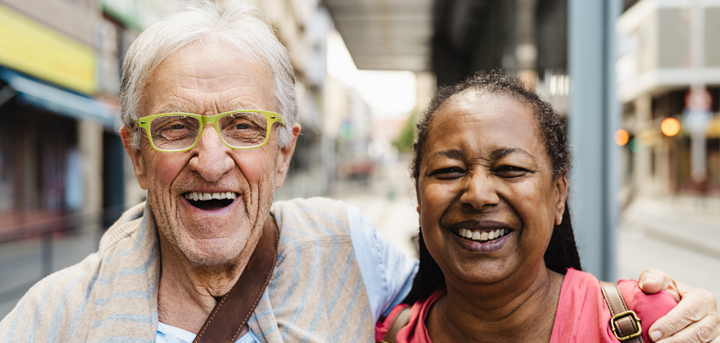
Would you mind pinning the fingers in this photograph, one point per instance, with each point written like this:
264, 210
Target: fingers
653, 280
694, 319
706, 330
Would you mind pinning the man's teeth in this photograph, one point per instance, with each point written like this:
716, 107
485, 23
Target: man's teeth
199, 196
482, 236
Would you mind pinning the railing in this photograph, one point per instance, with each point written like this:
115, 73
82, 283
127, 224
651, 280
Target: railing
20, 249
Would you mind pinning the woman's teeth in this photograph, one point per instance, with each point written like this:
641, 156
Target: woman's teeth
482, 236
199, 196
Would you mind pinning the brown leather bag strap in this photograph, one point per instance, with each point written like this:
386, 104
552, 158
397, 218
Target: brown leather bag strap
233, 310
624, 323
401, 319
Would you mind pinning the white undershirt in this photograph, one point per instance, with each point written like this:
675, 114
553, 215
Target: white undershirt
170, 334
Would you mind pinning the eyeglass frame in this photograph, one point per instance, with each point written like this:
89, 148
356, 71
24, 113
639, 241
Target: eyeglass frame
272, 118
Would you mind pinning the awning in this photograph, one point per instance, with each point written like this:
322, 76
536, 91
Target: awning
385, 34
60, 101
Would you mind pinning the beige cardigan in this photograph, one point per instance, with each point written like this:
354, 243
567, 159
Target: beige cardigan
316, 293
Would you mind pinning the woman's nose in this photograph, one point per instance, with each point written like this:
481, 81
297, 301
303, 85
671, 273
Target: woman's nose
211, 157
479, 191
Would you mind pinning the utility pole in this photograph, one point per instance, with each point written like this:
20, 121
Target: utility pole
698, 100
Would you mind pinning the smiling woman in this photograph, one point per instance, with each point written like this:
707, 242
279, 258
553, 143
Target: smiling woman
498, 260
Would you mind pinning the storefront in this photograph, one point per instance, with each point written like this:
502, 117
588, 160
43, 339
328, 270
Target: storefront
51, 129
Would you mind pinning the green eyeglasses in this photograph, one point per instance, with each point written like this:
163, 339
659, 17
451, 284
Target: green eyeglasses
176, 132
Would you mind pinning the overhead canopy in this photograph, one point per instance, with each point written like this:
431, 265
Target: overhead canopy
385, 34
58, 100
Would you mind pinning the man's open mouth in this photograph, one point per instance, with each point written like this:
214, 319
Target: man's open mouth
482, 236
210, 201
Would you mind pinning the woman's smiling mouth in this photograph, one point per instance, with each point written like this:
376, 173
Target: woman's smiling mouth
482, 236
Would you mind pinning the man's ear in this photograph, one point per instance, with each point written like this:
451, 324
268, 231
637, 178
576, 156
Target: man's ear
135, 154
561, 187
284, 156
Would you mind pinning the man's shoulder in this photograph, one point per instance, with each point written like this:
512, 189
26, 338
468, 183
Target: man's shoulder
64, 305
126, 226
316, 203
312, 218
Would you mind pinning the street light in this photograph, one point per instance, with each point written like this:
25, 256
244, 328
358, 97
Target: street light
670, 127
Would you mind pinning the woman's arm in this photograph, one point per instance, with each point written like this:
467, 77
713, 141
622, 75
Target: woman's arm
694, 319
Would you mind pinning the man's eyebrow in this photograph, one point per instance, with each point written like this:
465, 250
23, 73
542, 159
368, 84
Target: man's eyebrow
455, 154
502, 152
174, 109
192, 109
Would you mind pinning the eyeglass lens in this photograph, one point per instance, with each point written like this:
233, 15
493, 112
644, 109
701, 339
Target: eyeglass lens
239, 130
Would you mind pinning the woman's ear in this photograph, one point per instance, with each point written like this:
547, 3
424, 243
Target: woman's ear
561, 188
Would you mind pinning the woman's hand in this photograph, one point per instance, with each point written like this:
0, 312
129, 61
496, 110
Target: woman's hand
696, 317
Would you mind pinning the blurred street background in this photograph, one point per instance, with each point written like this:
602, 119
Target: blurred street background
638, 83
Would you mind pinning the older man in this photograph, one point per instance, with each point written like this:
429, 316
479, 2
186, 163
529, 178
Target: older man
164, 270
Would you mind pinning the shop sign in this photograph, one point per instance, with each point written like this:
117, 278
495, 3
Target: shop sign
697, 114
136, 14
35, 49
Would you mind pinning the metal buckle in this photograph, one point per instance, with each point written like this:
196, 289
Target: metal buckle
614, 329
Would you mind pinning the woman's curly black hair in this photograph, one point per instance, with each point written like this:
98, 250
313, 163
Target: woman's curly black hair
562, 251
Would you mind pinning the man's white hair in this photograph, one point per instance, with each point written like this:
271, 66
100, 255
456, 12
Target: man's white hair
234, 22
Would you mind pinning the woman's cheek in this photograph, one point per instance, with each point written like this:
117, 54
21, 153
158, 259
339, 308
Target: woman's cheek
527, 194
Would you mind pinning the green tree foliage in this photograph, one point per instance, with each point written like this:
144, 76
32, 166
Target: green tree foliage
404, 141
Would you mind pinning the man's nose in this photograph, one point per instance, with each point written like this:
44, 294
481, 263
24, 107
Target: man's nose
211, 157
480, 190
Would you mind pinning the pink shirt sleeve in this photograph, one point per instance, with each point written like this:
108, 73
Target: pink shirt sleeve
583, 314
383, 324
649, 307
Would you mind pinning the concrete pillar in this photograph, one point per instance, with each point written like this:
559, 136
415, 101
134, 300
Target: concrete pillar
90, 146
594, 115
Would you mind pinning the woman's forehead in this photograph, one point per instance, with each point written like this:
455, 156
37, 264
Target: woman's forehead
484, 121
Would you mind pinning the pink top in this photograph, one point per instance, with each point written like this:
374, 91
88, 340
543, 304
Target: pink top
582, 314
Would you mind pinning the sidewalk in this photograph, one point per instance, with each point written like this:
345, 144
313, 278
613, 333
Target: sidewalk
21, 263
677, 221
675, 235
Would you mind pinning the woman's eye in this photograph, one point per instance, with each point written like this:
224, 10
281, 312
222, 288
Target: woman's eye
177, 127
510, 171
242, 126
451, 172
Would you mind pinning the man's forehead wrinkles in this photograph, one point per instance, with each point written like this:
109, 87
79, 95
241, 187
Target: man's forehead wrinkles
191, 100
211, 108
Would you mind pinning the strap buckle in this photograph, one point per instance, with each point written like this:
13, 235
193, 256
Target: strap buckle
621, 315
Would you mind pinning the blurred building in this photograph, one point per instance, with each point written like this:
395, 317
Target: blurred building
666, 48
348, 125
55, 131
303, 26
